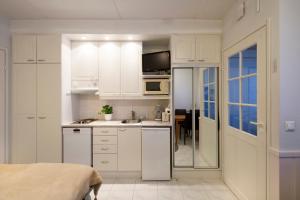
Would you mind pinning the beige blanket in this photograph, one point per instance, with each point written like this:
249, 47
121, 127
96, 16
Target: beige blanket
47, 181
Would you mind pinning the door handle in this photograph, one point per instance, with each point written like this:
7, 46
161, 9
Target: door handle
257, 124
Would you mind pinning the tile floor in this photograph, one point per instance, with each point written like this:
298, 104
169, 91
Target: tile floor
136, 189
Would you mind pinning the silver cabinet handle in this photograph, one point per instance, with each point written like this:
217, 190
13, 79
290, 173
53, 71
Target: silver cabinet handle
42, 117
257, 124
104, 149
105, 162
41, 60
30, 117
191, 60
202, 60
104, 140
30, 60
122, 130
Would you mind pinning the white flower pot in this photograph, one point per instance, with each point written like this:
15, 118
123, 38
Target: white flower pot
108, 117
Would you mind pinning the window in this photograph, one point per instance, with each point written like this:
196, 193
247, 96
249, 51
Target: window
209, 79
242, 90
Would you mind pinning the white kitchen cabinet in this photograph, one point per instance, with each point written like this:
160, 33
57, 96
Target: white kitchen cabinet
129, 149
49, 143
110, 65
208, 48
84, 65
36, 132
23, 139
24, 48
183, 48
201, 48
131, 69
48, 48
48, 110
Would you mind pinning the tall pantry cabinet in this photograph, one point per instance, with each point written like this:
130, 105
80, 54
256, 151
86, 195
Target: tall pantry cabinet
36, 80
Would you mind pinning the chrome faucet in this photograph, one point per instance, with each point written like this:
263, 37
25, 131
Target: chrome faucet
132, 115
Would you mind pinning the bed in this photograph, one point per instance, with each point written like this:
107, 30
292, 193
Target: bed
44, 181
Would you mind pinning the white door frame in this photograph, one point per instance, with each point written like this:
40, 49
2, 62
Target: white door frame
5, 104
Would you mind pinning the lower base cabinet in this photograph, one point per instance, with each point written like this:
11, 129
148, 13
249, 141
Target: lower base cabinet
117, 149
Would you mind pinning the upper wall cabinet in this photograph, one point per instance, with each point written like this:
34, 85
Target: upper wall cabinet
84, 65
120, 69
202, 48
48, 49
24, 48
36, 48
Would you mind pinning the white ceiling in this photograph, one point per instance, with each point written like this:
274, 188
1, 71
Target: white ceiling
114, 9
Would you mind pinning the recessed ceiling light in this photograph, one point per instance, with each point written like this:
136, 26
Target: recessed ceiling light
83, 38
130, 37
106, 38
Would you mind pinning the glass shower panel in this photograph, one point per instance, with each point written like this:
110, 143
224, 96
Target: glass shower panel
183, 110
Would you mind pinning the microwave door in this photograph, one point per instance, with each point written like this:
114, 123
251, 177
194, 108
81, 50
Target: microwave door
153, 86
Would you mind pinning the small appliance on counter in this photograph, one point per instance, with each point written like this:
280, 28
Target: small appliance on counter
158, 113
165, 116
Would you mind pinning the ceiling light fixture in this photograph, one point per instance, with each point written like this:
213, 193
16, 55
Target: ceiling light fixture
106, 38
83, 38
130, 37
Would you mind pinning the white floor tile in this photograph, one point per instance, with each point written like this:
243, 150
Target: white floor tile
221, 195
195, 195
169, 195
145, 195
120, 195
145, 185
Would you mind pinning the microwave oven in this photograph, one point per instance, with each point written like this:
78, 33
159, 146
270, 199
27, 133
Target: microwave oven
156, 86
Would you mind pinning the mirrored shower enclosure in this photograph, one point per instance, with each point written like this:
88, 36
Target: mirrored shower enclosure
195, 117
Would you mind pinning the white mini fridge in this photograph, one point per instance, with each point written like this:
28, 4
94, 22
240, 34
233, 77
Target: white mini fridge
156, 154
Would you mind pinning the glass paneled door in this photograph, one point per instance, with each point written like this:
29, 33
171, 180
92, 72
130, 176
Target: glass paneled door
245, 146
195, 108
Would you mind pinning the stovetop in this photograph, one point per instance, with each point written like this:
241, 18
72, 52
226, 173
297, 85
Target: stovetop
84, 121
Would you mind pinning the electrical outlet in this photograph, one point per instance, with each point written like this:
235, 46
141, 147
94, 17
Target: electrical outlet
290, 126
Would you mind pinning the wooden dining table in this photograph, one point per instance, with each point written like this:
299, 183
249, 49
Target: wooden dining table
178, 122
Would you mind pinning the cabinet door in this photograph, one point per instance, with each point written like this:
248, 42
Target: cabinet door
110, 63
183, 48
208, 48
85, 62
48, 89
48, 113
49, 139
23, 139
129, 149
24, 48
48, 48
24, 89
131, 67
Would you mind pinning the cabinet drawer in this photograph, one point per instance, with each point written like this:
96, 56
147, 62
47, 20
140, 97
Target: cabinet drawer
99, 148
105, 162
105, 140
105, 131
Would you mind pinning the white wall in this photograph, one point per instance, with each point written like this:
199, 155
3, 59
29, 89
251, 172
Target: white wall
4, 43
289, 98
234, 31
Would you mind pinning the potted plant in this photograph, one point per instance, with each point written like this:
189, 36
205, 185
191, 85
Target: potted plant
107, 110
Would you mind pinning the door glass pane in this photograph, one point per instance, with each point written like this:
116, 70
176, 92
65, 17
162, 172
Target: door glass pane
212, 92
234, 66
234, 116
206, 109
212, 114
234, 91
249, 90
211, 75
206, 76
249, 60
206, 93
249, 114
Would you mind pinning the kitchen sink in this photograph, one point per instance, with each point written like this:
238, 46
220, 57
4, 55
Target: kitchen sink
131, 121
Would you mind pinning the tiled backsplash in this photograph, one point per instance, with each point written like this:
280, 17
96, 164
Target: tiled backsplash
89, 106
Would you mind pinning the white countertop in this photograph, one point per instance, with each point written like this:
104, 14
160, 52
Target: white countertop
101, 123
